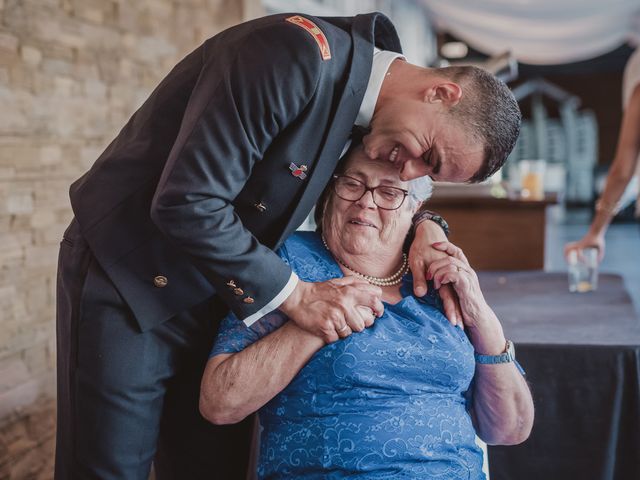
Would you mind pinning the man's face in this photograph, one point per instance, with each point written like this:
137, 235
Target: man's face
420, 138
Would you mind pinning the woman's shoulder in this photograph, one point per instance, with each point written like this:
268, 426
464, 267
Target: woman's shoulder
308, 258
304, 239
300, 244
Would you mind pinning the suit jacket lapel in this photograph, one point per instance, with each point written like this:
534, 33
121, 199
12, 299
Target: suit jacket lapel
345, 115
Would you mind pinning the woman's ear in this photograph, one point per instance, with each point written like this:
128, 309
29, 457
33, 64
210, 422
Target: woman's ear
416, 206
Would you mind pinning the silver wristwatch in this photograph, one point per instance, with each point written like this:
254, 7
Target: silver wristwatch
507, 356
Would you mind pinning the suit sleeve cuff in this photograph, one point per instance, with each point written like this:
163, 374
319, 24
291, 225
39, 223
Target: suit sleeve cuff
275, 302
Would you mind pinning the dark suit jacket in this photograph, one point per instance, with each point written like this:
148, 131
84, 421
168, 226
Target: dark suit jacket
175, 193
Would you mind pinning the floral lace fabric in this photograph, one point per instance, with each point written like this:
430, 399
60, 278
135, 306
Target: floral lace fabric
389, 402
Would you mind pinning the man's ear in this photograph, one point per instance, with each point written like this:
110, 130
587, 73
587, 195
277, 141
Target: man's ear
445, 92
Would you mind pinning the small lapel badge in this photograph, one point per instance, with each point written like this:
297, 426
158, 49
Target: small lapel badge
298, 171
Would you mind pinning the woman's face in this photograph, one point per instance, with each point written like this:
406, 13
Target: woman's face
361, 227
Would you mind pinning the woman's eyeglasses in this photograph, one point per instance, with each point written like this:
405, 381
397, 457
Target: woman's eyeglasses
352, 190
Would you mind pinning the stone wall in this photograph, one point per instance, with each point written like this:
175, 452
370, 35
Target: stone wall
71, 73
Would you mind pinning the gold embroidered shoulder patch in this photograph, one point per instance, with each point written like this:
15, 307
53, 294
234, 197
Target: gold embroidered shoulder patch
316, 33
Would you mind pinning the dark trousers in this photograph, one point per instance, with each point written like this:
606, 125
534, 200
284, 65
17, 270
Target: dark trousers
126, 397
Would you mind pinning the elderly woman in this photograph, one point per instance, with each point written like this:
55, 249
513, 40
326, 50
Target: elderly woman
403, 398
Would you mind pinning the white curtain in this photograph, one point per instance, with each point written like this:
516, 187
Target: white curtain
540, 31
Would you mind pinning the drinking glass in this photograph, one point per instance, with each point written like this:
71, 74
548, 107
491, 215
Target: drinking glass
583, 270
532, 179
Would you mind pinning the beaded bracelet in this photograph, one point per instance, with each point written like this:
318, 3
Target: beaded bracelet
423, 215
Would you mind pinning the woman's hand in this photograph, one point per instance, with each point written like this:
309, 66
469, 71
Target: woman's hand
589, 240
485, 329
454, 269
421, 256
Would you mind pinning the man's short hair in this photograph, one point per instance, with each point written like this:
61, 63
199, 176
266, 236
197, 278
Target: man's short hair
489, 112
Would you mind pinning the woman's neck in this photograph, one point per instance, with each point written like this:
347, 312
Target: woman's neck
374, 269
380, 264
390, 294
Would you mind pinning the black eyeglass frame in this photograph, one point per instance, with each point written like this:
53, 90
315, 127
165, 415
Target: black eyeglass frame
405, 193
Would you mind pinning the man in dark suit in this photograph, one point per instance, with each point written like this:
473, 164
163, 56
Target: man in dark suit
177, 220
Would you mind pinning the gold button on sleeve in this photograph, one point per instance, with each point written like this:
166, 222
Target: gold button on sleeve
160, 281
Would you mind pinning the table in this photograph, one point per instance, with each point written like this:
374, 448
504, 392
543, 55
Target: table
493, 232
582, 357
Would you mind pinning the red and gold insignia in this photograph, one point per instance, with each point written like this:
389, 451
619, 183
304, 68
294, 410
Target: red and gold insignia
316, 33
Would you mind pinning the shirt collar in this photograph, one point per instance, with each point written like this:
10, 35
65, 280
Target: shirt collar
382, 60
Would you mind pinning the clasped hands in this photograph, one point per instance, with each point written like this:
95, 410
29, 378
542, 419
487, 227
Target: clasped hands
336, 308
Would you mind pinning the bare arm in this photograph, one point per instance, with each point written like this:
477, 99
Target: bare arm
620, 174
502, 409
236, 385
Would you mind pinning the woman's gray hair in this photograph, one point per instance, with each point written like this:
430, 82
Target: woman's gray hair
419, 190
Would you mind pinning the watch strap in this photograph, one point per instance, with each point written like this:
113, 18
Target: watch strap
493, 359
508, 356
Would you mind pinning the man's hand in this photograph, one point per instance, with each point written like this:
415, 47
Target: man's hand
335, 308
421, 255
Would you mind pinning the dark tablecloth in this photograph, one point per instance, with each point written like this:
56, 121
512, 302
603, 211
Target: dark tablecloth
582, 357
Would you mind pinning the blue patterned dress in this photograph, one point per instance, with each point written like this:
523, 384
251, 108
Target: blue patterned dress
390, 402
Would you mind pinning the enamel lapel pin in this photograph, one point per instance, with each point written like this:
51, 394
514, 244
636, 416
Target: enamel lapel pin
298, 171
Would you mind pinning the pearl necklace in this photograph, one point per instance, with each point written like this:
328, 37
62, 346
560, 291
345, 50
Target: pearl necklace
390, 281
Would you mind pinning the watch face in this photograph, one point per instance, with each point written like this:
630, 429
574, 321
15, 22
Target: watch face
511, 350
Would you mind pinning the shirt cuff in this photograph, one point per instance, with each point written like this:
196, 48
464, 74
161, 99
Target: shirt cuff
275, 303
